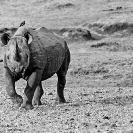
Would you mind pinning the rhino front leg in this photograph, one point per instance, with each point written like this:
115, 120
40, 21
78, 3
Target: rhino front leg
32, 82
10, 88
37, 95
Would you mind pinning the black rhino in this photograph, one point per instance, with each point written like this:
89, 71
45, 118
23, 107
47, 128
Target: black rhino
34, 55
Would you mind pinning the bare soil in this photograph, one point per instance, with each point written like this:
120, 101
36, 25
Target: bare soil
99, 89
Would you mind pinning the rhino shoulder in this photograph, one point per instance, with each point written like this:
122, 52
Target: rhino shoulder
43, 29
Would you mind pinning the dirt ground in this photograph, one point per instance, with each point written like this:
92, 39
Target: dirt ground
99, 88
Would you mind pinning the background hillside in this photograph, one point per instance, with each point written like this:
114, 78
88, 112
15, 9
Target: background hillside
64, 13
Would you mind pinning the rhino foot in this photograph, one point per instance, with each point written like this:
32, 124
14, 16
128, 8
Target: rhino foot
37, 103
27, 106
17, 100
59, 101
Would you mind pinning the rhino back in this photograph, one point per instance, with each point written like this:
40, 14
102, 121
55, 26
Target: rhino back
47, 52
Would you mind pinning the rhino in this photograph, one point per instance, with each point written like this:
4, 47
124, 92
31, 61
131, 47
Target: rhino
34, 55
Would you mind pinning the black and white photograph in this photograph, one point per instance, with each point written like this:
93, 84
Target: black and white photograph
66, 66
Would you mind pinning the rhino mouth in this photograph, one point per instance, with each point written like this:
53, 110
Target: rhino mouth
16, 68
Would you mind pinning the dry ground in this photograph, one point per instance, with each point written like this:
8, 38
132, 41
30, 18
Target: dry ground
99, 85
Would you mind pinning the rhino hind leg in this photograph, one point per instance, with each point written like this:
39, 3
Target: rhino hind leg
37, 95
61, 74
60, 88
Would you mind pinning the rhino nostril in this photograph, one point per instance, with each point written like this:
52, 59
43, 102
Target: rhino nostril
12, 69
22, 69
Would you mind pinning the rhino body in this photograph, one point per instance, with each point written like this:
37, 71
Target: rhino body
34, 55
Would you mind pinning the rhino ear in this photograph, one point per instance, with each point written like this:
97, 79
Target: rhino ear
5, 38
28, 37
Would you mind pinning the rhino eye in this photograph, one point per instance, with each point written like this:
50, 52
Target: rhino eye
8, 57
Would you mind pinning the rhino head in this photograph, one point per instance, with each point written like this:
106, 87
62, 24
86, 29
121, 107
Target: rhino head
17, 54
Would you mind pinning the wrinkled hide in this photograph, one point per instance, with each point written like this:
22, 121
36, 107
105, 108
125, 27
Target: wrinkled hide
17, 54
34, 55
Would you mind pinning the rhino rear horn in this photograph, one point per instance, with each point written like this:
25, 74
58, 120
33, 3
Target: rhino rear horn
5, 38
28, 37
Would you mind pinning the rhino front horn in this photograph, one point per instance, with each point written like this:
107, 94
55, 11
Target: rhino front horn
28, 37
